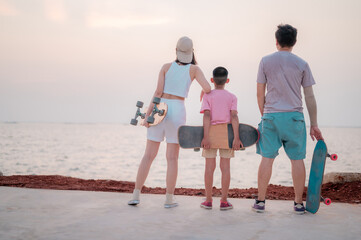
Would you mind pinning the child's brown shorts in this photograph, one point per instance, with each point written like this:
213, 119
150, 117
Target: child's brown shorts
212, 153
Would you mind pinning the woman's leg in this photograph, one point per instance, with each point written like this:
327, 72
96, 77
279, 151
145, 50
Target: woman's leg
226, 177
150, 153
172, 166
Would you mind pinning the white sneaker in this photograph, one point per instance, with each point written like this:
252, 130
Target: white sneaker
170, 205
133, 202
170, 201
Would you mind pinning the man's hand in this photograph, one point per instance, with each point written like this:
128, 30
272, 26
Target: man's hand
237, 144
315, 132
205, 143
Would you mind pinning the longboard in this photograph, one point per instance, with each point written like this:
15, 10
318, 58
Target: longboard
314, 197
159, 112
221, 136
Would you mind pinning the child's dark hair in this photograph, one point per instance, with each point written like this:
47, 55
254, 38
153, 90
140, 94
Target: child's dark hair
286, 35
220, 75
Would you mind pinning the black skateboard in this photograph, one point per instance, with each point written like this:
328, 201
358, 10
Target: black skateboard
221, 136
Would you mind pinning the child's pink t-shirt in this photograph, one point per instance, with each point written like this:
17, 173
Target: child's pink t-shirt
219, 102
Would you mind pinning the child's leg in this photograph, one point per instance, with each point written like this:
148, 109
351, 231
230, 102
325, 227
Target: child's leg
226, 177
208, 177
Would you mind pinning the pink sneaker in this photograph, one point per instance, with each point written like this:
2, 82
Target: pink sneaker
206, 205
226, 205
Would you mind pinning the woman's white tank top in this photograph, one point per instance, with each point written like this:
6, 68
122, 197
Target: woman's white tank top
177, 80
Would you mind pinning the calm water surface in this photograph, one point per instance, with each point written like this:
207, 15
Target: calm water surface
113, 151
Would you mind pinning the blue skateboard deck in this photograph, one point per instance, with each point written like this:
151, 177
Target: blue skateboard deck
314, 197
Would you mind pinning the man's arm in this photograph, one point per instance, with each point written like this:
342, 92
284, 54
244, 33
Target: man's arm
237, 144
261, 93
310, 100
206, 125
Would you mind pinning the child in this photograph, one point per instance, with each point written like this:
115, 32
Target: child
219, 107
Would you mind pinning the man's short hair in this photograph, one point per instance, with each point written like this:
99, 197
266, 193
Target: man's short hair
220, 75
286, 35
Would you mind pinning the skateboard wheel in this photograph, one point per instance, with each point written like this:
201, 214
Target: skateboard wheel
161, 112
327, 201
150, 119
134, 122
333, 157
156, 100
140, 104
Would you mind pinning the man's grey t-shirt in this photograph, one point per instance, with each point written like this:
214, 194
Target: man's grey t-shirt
284, 73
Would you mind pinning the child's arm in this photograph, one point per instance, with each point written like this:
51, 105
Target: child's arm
206, 125
261, 91
237, 144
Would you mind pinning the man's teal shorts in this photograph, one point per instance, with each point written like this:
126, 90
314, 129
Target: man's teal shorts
287, 129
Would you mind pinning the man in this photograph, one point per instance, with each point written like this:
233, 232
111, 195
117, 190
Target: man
283, 73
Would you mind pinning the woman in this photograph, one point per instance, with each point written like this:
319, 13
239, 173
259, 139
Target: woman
173, 85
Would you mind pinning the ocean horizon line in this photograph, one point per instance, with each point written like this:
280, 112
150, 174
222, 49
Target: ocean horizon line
123, 123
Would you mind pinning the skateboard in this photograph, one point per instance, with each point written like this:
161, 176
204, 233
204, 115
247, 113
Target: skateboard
220, 136
158, 113
314, 197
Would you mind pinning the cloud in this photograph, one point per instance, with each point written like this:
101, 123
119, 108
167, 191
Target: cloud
55, 10
7, 9
98, 20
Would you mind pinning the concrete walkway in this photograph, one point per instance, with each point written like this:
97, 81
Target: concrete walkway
54, 214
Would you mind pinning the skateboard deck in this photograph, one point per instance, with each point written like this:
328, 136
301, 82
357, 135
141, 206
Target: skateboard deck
314, 197
157, 115
157, 118
221, 136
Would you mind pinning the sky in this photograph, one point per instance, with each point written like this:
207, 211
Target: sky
91, 61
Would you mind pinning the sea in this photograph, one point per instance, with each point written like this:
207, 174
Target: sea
114, 151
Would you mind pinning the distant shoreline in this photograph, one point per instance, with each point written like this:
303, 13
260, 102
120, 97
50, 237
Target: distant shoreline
349, 192
126, 123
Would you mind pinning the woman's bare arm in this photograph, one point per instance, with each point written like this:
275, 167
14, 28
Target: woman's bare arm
159, 90
201, 79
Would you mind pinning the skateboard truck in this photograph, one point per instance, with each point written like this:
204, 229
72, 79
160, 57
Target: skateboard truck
156, 101
326, 201
134, 120
333, 157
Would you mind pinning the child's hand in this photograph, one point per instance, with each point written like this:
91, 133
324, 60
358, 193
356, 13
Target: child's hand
237, 144
205, 143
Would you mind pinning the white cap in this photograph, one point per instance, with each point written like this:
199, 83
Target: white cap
185, 50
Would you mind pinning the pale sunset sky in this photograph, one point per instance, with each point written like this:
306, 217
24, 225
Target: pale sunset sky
91, 60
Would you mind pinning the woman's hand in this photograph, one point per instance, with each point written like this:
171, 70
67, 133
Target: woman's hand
145, 123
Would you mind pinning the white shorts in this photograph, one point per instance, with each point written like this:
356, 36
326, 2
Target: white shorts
176, 116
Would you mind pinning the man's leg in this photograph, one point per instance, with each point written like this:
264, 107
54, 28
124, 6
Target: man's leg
299, 177
264, 176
